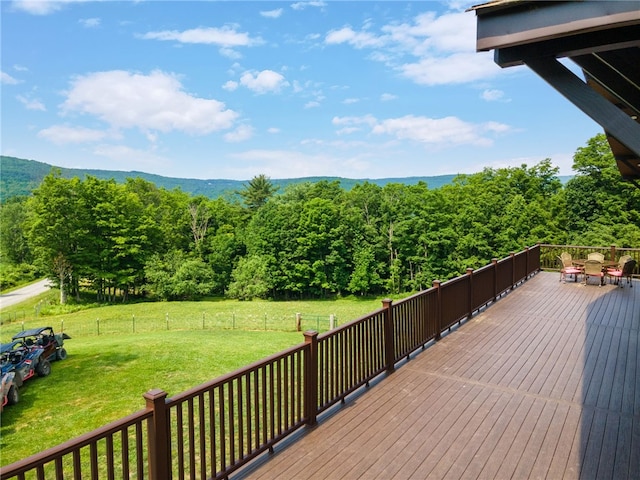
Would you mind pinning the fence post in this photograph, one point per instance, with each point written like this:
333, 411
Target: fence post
311, 378
389, 350
512, 256
159, 461
613, 253
436, 285
470, 299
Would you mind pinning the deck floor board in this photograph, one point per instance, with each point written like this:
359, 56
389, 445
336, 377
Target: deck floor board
542, 384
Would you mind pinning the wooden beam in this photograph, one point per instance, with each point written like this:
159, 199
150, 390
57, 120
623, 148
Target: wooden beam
612, 119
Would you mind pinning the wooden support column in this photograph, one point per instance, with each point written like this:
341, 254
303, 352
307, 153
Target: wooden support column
311, 378
470, 296
159, 458
389, 349
436, 285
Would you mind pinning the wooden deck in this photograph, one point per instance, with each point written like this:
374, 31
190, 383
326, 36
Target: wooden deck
545, 383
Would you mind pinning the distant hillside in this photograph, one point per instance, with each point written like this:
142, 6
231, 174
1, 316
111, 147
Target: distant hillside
21, 177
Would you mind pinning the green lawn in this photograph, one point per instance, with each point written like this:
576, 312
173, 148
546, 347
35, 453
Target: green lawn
105, 375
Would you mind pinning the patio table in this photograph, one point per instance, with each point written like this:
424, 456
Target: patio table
579, 262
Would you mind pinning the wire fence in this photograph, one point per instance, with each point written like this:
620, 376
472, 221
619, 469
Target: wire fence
14, 322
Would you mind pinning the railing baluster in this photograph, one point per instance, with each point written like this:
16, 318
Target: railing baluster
240, 418
212, 432
124, 452
77, 468
191, 438
180, 441
110, 458
139, 450
221, 421
202, 429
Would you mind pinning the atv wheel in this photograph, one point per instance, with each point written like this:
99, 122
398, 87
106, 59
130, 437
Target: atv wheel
44, 368
13, 396
61, 354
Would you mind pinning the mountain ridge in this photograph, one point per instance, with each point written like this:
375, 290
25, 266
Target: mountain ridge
21, 176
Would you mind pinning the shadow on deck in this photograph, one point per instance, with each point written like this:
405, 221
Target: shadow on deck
545, 383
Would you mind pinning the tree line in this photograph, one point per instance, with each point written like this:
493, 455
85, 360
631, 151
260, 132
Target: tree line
308, 240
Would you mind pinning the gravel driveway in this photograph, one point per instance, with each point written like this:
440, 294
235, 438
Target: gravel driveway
24, 293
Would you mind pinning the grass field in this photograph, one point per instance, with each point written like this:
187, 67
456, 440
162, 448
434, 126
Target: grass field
137, 349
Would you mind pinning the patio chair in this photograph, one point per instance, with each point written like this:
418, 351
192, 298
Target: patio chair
567, 267
626, 272
596, 256
593, 268
621, 261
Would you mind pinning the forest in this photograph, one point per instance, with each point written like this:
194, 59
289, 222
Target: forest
117, 241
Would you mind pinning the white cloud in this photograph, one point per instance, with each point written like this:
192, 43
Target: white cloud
358, 40
303, 5
64, 134
42, 7
348, 130
31, 103
312, 104
38, 7
491, 95
451, 32
226, 36
369, 120
439, 131
7, 79
90, 22
455, 68
264, 81
429, 50
240, 134
349, 101
147, 102
386, 97
272, 13
230, 86
273, 130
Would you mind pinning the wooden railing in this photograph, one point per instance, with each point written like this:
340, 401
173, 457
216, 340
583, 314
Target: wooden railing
216, 428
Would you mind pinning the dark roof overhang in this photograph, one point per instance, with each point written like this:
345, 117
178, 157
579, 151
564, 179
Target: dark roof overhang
601, 37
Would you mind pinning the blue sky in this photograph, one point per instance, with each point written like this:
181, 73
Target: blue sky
235, 89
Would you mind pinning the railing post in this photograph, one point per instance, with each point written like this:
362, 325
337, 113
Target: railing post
470, 299
311, 378
613, 253
513, 270
159, 461
494, 262
389, 349
436, 285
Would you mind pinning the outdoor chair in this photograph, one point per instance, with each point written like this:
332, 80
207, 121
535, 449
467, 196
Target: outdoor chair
596, 256
593, 268
626, 272
567, 267
621, 261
